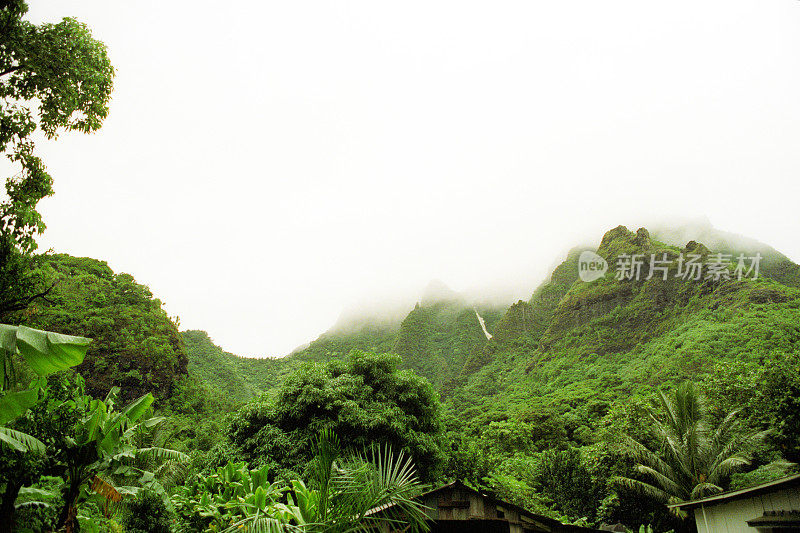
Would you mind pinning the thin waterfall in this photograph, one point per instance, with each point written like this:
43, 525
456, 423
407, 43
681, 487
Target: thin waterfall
483, 324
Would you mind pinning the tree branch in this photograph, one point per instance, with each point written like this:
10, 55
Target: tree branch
22, 303
9, 70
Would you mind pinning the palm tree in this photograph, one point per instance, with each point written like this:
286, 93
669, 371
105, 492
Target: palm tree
694, 458
345, 494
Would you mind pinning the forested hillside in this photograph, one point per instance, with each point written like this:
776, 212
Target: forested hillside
357, 148
137, 346
435, 339
536, 407
571, 367
641, 332
239, 379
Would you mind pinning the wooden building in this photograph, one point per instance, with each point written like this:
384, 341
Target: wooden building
770, 508
456, 508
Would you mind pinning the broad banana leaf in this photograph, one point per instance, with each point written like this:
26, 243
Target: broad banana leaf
20, 441
39, 493
92, 425
33, 504
136, 409
105, 489
14, 404
8, 338
47, 352
164, 454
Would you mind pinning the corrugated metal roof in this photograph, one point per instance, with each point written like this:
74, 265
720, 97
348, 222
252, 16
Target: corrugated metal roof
733, 494
549, 522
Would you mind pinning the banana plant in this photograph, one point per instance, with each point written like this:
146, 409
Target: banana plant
44, 352
342, 496
104, 446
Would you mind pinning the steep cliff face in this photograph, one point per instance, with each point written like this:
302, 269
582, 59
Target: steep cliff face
415, 340
576, 346
587, 301
531, 318
637, 303
630, 305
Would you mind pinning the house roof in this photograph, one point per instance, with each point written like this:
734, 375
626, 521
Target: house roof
742, 493
547, 521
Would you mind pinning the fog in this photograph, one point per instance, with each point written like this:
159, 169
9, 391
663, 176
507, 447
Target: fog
268, 167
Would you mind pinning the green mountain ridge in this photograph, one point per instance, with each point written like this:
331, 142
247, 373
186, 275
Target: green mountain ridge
239, 379
568, 370
574, 344
569, 351
613, 339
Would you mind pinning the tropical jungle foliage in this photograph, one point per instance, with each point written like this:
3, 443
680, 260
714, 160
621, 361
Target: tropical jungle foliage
363, 398
588, 402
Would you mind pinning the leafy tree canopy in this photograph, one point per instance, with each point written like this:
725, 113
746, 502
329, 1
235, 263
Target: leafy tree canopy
364, 399
136, 344
53, 78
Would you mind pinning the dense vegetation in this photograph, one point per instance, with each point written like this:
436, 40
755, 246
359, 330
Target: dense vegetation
561, 406
363, 399
553, 412
137, 346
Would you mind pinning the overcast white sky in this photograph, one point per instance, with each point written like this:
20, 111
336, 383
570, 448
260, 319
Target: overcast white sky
267, 164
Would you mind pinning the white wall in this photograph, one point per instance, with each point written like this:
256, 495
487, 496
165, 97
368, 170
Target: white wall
732, 517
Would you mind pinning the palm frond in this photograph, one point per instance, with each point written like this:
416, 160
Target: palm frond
392, 484
162, 454
727, 466
262, 524
692, 457
702, 490
642, 455
668, 485
645, 489
327, 450
735, 454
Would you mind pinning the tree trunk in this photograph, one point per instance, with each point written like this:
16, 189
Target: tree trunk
7, 507
67, 515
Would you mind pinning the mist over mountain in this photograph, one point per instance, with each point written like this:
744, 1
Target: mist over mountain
439, 333
557, 369
564, 356
385, 322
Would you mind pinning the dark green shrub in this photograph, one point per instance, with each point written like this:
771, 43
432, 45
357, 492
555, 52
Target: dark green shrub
147, 513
